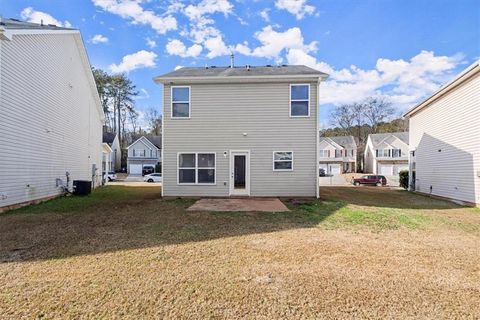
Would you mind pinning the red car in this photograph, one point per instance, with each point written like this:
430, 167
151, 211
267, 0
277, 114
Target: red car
371, 180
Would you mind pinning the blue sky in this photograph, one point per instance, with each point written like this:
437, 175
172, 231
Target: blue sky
401, 49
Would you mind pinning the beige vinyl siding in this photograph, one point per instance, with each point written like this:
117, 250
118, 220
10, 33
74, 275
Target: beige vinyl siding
220, 115
450, 124
49, 122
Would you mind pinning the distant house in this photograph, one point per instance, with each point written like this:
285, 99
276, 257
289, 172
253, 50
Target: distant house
445, 140
113, 142
386, 153
145, 151
50, 113
337, 154
107, 160
241, 131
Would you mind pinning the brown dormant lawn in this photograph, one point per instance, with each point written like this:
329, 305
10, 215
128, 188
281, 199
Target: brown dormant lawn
126, 253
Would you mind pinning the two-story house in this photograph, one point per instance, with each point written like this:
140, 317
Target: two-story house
145, 151
111, 139
386, 153
241, 131
50, 113
445, 140
337, 154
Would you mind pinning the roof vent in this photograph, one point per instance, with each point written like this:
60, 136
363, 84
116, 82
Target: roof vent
268, 65
247, 67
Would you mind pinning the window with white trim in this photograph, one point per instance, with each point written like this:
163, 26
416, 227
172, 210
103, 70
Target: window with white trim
299, 100
283, 161
180, 102
196, 168
324, 153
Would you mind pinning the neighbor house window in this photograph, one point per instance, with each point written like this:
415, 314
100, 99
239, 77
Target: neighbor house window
196, 168
138, 153
299, 100
282, 161
180, 102
324, 153
383, 153
396, 153
338, 153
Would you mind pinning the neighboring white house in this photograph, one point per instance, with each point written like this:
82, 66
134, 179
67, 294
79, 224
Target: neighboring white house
386, 153
145, 151
337, 154
50, 113
445, 139
113, 142
241, 131
107, 161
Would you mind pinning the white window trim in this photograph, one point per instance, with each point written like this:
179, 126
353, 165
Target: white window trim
290, 100
323, 153
189, 102
273, 162
196, 169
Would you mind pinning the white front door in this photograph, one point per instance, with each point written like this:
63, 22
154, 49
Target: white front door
239, 173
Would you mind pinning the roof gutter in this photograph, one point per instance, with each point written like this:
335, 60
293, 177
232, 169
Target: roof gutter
218, 79
458, 80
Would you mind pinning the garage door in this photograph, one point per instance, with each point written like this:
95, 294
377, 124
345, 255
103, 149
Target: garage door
334, 169
135, 169
385, 169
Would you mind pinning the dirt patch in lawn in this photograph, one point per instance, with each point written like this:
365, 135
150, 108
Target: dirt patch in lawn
126, 253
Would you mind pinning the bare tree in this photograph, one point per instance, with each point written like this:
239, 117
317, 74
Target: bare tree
343, 117
377, 110
154, 119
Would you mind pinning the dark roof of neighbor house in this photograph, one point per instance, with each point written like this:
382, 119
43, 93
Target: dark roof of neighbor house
242, 71
348, 142
377, 138
17, 24
108, 137
155, 140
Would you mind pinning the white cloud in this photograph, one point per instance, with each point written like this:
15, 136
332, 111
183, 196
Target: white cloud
264, 14
299, 8
31, 15
216, 47
403, 82
243, 48
198, 13
131, 9
98, 38
151, 43
273, 43
130, 62
178, 48
178, 67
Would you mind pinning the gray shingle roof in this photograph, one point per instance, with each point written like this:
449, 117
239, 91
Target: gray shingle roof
20, 25
348, 142
377, 138
108, 137
156, 140
242, 71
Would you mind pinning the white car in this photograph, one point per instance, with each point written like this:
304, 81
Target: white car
111, 176
153, 177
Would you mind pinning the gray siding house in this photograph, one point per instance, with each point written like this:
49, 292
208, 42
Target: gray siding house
337, 154
241, 131
145, 151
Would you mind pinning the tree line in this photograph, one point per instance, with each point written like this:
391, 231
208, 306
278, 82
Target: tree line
117, 95
359, 119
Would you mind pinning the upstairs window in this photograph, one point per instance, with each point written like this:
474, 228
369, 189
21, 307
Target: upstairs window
283, 161
338, 153
396, 153
324, 153
299, 100
180, 102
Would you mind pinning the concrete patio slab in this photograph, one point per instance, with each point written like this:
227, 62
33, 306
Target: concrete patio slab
250, 204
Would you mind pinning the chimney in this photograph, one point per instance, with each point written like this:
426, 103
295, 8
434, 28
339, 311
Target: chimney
232, 60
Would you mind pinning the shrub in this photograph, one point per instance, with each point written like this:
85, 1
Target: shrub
403, 179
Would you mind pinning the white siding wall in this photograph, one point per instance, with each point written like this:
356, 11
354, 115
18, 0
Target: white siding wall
49, 123
220, 114
450, 124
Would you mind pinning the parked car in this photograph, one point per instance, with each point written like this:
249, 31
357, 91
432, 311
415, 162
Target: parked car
321, 172
111, 176
153, 177
147, 170
371, 180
